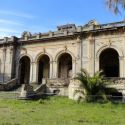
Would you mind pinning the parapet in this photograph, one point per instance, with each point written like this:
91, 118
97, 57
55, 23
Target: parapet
67, 27
66, 31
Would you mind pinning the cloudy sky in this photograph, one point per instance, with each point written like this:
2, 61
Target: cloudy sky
17, 16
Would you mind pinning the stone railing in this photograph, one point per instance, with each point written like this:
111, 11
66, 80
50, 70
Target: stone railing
40, 89
67, 81
115, 80
8, 85
58, 82
115, 24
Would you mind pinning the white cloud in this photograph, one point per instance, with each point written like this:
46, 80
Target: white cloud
12, 26
3, 21
18, 14
8, 32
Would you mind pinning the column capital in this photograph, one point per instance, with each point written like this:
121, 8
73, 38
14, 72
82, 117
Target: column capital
121, 58
33, 62
50, 62
54, 61
73, 61
79, 39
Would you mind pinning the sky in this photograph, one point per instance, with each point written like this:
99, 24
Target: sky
17, 16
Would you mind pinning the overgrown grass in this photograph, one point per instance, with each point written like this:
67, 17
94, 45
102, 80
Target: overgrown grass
60, 111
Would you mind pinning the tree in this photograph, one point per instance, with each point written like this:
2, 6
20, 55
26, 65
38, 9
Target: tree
94, 88
115, 5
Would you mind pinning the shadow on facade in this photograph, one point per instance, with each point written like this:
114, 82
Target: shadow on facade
24, 70
43, 65
109, 62
65, 66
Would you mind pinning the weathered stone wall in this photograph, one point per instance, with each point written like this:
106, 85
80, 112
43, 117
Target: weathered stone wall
10, 85
84, 44
93, 45
53, 49
6, 57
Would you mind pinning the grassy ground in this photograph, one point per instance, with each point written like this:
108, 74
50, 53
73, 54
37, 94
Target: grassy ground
60, 111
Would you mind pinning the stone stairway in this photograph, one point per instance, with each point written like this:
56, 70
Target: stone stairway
28, 91
11, 90
9, 85
11, 94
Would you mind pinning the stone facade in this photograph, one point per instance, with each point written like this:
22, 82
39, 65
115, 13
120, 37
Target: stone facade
55, 57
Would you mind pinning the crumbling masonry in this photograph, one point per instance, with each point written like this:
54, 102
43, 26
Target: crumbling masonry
54, 58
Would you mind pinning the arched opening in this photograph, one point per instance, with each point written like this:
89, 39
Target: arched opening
24, 70
43, 67
0, 66
65, 66
109, 62
1, 76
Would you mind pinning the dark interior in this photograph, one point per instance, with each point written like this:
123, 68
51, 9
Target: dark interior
109, 63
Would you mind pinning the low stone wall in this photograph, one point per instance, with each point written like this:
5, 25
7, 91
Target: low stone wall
1, 87
41, 89
74, 86
26, 91
57, 86
9, 85
115, 80
68, 87
57, 82
62, 87
118, 83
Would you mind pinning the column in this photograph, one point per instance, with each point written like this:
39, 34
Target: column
55, 69
121, 66
73, 68
97, 64
51, 70
91, 55
33, 72
3, 64
79, 54
7, 64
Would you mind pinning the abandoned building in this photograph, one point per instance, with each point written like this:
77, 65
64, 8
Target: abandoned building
53, 58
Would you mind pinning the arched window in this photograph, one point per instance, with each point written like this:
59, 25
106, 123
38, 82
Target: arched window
0, 66
65, 66
43, 67
24, 70
109, 62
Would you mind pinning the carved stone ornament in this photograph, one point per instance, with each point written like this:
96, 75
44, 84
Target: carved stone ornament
26, 34
78, 39
24, 50
44, 50
65, 48
109, 43
91, 22
106, 43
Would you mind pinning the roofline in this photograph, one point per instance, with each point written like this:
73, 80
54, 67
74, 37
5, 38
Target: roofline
90, 27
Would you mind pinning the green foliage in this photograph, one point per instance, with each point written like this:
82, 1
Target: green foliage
115, 5
94, 88
60, 111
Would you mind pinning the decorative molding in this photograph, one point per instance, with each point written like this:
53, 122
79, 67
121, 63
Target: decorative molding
41, 54
120, 52
121, 57
65, 48
78, 39
26, 34
109, 43
24, 50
